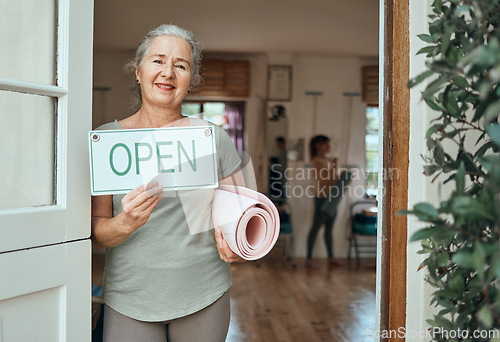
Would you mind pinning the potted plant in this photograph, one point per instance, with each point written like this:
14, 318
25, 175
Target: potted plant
461, 237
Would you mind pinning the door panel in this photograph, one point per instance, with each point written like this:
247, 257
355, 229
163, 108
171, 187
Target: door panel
45, 293
45, 322
45, 248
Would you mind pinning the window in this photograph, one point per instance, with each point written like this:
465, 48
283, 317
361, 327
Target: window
210, 111
31, 87
371, 151
229, 115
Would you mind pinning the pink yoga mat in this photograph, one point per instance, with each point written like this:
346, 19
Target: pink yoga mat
248, 219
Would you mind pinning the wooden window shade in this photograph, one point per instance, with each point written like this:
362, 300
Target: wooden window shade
225, 78
370, 84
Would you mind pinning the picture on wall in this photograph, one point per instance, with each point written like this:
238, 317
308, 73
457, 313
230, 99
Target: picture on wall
279, 83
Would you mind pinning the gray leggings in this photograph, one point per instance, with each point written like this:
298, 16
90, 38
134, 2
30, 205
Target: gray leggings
209, 324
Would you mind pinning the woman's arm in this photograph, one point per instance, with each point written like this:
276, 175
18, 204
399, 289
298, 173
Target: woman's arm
225, 253
137, 205
236, 178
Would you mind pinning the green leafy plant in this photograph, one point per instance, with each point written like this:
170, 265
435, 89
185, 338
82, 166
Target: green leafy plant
461, 237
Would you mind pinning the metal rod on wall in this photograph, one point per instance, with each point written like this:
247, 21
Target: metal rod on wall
347, 143
315, 95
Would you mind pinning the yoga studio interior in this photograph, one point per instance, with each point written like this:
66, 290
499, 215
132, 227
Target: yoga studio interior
276, 74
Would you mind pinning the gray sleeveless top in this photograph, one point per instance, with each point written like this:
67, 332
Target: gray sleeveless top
170, 267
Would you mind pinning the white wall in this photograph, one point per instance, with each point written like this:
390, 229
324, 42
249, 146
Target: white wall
419, 187
108, 72
330, 75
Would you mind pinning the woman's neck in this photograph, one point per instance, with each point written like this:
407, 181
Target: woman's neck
148, 116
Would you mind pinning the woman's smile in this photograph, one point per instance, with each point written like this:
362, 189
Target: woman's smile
165, 86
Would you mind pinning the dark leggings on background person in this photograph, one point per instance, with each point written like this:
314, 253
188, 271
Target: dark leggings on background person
319, 220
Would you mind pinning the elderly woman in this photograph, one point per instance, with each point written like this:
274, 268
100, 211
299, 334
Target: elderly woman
160, 281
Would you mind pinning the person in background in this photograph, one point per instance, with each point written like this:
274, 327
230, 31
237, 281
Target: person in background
160, 282
282, 151
324, 177
278, 170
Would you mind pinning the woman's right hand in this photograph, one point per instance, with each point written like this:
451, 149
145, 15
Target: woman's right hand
138, 205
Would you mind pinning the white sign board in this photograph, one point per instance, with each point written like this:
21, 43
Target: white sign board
179, 158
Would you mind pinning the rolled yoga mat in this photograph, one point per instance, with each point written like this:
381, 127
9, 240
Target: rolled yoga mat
248, 219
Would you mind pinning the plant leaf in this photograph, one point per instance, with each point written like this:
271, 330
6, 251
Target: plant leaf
442, 259
443, 322
429, 170
470, 207
479, 256
434, 105
425, 209
483, 105
492, 111
433, 129
424, 233
481, 137
463, 259
450, 103
429, 50
439, 5
493, 131
456, 282
426, 38
419, 78
434, 86
460, 179
460, 81
485, 147
446, 38
485, 316
438, 154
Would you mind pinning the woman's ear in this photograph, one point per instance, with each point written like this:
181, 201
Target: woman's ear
137, 78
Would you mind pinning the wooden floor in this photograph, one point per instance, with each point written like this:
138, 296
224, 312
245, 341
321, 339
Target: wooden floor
276, 302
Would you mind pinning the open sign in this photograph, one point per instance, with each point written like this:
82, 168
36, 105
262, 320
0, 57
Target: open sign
178, 158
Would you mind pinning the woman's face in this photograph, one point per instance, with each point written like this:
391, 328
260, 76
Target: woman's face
165, 72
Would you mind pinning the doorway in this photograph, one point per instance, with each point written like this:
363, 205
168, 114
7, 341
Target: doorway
392, 243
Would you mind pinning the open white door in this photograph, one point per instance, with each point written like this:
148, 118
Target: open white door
45, 114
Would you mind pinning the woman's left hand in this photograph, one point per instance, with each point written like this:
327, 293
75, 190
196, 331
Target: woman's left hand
225, 252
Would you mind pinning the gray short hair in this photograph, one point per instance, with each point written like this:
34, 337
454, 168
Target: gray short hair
145, 45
